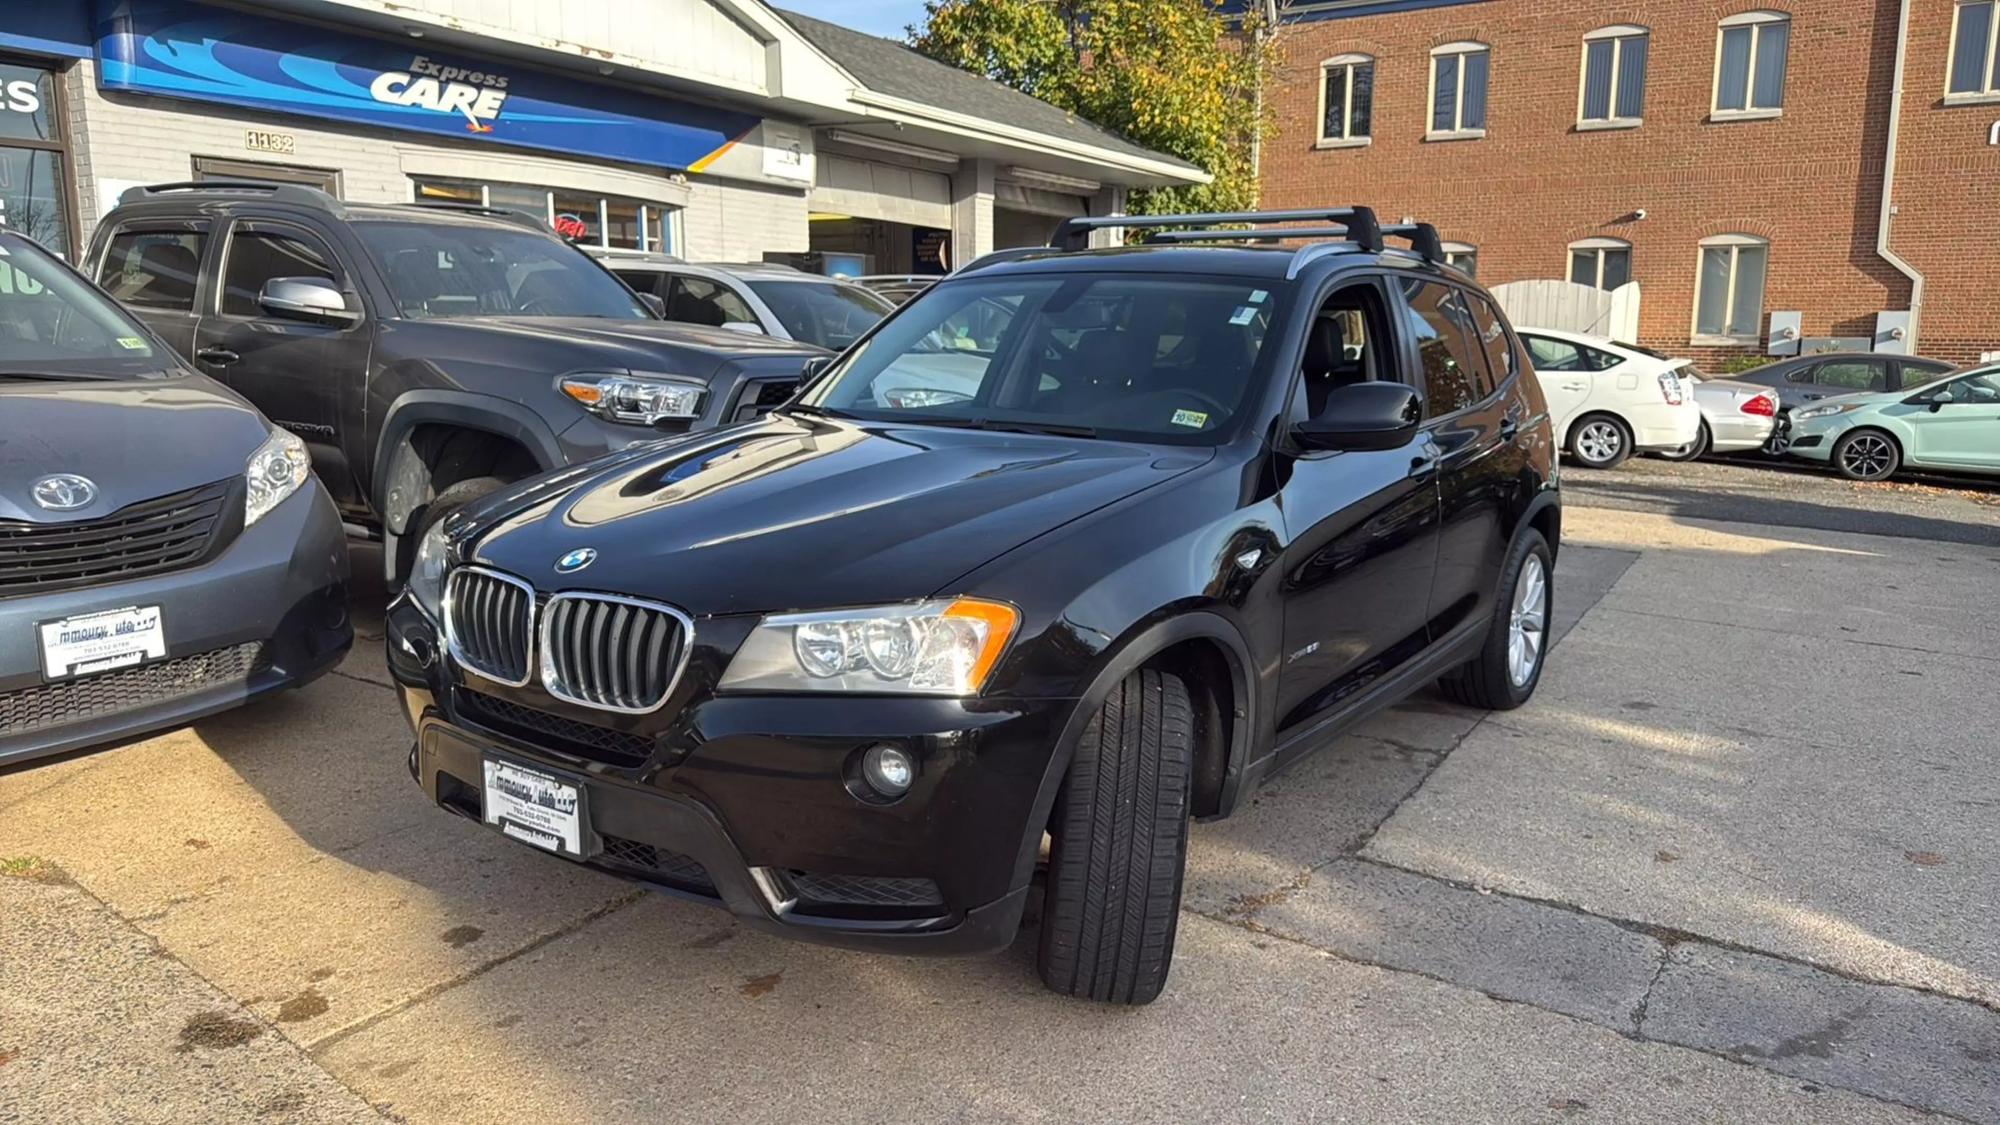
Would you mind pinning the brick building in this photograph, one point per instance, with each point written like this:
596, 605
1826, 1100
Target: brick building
1752, 140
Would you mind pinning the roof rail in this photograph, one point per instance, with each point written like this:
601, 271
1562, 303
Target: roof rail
1177, 237
1423, 238
1361, 227
511, 213
282, 193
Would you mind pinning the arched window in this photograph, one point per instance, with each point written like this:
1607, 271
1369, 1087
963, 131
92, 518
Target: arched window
1462, 256
1346, 99
1613, 92
1458, 90
1750, 53
1729, 289
1603, 262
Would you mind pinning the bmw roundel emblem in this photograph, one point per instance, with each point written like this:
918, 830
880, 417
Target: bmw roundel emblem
576, 560
64, 492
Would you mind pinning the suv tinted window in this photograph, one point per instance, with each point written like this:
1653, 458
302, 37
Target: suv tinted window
1853, 374
153, 269
1500, 357
697, 300
1454, 375
256, 256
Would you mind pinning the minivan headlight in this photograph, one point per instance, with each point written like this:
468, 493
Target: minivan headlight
944, 647
275, 471
638, 400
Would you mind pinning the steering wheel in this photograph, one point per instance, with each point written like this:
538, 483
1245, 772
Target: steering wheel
538, 306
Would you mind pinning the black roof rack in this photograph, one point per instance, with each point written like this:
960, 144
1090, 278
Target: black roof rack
1358, 224
1423, 238
511, 213
283, 193
1177, 237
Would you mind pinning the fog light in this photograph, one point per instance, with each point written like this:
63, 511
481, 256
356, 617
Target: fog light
888, 770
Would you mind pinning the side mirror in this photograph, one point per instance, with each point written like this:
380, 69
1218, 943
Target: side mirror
1362, 416
306, 298
813, 369
744, 327
656, 303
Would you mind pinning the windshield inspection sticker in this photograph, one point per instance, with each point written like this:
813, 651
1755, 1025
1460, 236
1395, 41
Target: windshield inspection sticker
132, 343
1193, 418
1258, 296
1244, 314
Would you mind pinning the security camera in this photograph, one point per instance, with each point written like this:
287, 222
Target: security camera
1639, 215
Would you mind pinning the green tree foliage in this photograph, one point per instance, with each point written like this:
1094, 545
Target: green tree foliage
1169, 74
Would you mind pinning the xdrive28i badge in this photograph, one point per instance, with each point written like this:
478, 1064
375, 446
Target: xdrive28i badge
64, 492
576, 560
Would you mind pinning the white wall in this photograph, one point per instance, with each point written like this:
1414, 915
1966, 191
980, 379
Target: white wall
739, 223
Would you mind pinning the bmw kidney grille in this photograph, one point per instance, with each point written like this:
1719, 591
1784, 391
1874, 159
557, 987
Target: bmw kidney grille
612, 653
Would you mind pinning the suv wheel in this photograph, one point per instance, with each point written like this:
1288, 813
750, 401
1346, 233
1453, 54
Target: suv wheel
1601, 442
451, 500
1509, 664
1119, 845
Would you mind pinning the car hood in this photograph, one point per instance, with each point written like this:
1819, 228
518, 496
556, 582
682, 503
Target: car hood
638, 339
134, 440
793, 513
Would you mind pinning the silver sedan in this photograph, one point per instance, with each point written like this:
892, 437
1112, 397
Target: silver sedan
1735, 417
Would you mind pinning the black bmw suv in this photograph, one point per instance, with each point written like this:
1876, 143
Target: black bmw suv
1069, 550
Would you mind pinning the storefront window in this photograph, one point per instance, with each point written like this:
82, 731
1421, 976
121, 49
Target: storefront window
34, 198
610, 222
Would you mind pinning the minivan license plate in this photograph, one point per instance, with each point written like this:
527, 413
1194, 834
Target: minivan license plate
100, 642
534, 807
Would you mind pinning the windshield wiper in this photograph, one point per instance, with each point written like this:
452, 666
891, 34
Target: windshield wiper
808, 410
1010, 425
55, 376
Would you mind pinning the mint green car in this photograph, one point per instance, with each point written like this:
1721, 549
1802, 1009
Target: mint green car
1952, 424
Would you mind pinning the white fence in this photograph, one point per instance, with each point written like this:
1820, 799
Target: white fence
1572, 307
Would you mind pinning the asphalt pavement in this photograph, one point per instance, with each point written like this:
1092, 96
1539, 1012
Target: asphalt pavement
1735, 862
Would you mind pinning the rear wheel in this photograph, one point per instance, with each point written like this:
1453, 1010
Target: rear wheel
1118, 847
1866, 455
1601, 441
1693, 450
1509, 664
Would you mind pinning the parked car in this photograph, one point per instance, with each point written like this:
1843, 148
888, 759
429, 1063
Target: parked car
1951, 423
896, 288
1612, 400
1735, 417
1804, 380
426, 353
164, 551
780, 301
840, 670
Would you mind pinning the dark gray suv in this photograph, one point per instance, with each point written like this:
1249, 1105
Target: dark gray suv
425, 353
165, 552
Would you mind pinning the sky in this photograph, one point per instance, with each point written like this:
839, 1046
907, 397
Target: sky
877, 17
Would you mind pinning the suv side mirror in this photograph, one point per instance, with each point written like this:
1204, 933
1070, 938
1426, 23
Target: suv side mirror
306, 298
744, 326
1363, 416
655, 302
813, 369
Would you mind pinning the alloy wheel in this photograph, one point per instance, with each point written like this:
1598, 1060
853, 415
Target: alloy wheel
1528, 621
1867, 456
1598, 442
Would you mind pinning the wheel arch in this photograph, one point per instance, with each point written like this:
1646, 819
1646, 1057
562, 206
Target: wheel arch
1197, 640
1585, 415
396, 455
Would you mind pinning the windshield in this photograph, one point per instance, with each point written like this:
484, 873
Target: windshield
440, 270
830, 314
1133, 356
54, 324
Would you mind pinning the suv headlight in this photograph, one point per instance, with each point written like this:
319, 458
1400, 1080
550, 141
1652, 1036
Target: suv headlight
1826, 411
275, 471
638, 400
426, 582
944, 647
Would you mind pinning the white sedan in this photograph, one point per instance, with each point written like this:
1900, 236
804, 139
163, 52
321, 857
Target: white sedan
1610, 400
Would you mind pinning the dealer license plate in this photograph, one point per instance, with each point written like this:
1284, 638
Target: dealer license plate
534, 807
100, 642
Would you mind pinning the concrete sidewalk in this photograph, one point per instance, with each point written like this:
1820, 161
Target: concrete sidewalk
1713, 872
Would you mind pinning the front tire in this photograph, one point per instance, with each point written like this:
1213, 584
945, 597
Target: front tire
450, 500
1119, 846
1601, 441
1509, 665
1692, 451
1866, 455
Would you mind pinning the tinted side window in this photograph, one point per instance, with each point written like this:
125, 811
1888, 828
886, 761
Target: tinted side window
1853, 374
1452, 371
153, 269
1486, 327
697, 300
641, 281
257, 256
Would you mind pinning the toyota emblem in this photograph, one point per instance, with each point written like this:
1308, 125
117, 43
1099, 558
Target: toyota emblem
64, 492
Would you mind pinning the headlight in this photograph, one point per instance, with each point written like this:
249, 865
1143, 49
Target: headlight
946, 647
275, 471
1826, 411
426, 581
639, 400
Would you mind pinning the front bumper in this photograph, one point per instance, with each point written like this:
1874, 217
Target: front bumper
750, 802
268, 613
1813, 438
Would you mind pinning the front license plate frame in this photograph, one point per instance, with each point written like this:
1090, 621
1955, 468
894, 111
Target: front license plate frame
536, 806
102, 640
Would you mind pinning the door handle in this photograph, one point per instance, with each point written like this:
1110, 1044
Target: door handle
1812, 397
1509, 429
1424, 464
220, 357
1576, 386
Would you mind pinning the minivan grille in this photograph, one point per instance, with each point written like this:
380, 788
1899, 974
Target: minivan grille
487, 622
613, 653
149, 537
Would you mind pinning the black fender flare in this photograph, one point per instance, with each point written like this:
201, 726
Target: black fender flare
1127, 657
1538, 503
395, 459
